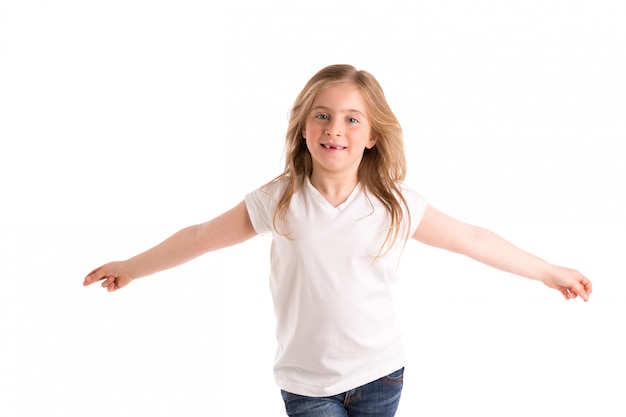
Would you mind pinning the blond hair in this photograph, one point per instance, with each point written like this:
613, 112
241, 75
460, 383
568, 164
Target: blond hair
382, 168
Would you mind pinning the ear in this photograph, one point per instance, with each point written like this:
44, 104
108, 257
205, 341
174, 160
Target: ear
371, 142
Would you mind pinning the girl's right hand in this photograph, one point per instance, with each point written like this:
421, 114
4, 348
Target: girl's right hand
113, 276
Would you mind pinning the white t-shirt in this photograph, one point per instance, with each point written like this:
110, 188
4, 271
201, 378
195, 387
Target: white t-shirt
336, 324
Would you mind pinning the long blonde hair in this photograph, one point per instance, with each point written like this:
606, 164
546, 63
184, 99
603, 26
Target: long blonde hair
382, 168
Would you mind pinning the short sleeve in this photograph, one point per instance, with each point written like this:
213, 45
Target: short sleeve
416, 206
261, 205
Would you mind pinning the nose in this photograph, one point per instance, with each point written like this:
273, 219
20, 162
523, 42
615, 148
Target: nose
333, 128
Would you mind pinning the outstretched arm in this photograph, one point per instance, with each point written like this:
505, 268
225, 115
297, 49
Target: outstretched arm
442, 231
230, 228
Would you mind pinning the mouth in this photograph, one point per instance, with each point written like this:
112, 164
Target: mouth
333, 147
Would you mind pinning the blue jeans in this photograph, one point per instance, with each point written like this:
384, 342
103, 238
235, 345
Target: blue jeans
376, 399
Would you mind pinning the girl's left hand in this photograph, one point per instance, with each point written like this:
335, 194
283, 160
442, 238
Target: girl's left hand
569, 282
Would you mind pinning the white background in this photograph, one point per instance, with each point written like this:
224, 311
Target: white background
124, 121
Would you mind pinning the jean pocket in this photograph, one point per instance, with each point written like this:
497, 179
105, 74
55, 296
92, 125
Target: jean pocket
394, 378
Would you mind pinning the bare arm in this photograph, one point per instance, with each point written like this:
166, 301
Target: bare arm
442, 231
228, 229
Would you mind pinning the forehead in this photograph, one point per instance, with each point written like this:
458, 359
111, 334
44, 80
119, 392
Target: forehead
341, 97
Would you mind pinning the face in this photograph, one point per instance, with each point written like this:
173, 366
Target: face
337, 130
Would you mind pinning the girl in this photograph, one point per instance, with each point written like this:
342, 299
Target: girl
339, 216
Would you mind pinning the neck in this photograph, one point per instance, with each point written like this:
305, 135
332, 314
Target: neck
334, 188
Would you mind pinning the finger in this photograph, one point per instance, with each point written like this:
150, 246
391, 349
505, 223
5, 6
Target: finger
94, 276
579, 290
583, 287
95, 270
112, 286
587, 284
108, 281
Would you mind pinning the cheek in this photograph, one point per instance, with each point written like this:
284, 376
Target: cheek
310, 130
307, 131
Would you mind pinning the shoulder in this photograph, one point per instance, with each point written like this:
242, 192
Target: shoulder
415, 202
409, 193
273, 189
278, 184
268, 195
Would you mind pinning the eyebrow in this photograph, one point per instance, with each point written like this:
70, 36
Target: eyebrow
344, 111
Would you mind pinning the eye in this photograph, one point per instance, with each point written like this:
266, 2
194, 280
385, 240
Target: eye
321, 116
352, 120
